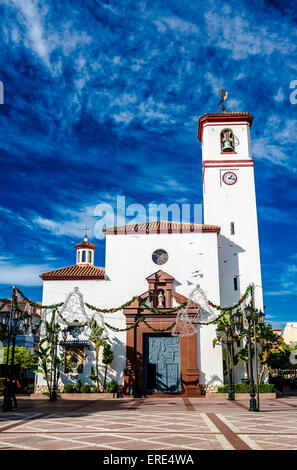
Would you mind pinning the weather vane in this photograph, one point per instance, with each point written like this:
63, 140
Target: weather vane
224, 94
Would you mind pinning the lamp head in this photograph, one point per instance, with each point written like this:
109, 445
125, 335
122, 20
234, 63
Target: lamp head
15, 314
4, 319
248, 310
237, 318
261, 316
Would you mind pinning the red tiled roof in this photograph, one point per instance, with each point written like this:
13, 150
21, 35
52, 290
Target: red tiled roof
85, 244
77, 271
231, 114
5, 305
161, 226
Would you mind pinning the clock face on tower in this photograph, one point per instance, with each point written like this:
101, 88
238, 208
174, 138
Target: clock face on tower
229, 178
160, 257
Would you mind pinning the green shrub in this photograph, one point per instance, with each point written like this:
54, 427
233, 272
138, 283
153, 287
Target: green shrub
246, 388
112, 386
68, 388
85, 388
78, 386
94, 390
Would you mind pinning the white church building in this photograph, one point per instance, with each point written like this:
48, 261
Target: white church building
156, 261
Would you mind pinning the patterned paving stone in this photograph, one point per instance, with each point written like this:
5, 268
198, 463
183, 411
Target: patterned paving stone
264, 423
154, 424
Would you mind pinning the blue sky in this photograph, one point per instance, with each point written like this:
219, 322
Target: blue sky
102, 99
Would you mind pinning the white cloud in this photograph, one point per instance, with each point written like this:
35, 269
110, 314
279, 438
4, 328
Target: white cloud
71, 223
175, 24
288, 133
23, 275
262, 148
277, 216
35, 33
238, 35
39, 35
124, 117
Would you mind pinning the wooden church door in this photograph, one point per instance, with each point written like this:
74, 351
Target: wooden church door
161, 361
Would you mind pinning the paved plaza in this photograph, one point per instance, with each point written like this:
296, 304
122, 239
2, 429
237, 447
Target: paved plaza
149, 424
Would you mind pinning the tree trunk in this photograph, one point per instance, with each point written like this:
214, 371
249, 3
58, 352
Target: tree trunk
262, 373
97, 365
105, 373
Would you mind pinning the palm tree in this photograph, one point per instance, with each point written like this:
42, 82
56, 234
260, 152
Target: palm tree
98, 341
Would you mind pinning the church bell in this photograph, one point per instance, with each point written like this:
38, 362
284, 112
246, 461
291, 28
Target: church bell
227, 146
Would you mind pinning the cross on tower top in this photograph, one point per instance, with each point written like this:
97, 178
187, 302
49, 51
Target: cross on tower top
86, 229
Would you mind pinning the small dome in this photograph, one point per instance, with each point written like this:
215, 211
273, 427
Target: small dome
85, 244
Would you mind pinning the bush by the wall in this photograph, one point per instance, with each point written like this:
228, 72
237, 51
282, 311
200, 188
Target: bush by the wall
85, 388
246, 388
68, 388
78, 386
112, 386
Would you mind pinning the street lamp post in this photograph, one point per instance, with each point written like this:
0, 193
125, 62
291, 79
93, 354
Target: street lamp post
15, 323
251, 316
229, 341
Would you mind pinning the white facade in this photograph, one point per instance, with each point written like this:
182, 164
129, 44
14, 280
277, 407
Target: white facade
219, 259
290, 333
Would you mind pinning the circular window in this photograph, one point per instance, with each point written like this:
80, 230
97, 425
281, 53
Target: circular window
160, 257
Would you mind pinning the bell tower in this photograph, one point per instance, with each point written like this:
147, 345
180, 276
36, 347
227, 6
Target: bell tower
229, 200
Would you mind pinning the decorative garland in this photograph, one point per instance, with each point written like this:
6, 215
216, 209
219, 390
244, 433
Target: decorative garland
140, 320
222, 316
104, 310
36, 304
236, 306
111, 310
162, 312
158, 329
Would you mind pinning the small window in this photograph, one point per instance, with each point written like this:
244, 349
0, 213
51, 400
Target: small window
235, 280
238, 343
232, 228
83, 260
78, 256
160, 257
90, 256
